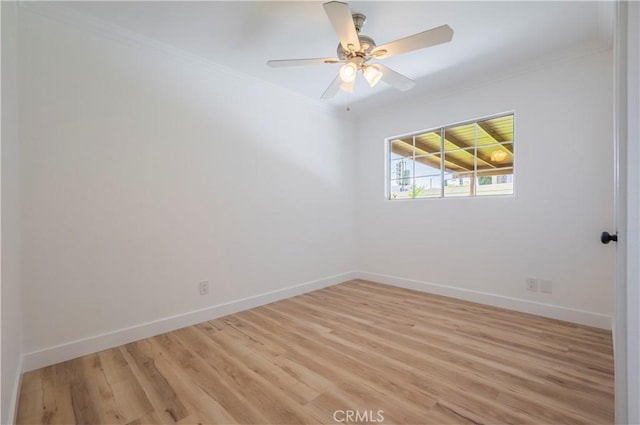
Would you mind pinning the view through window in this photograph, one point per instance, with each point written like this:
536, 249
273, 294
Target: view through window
469, 159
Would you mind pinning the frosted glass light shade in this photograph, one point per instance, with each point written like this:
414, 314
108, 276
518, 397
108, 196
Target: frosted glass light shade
348, 72
372, 74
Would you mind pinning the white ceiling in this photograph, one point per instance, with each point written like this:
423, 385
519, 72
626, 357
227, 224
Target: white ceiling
489, 37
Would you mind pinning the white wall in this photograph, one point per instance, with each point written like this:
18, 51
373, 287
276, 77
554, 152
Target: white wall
10, 289
145, 173
549, 229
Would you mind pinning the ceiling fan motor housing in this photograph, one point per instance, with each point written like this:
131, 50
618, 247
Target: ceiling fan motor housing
366, 46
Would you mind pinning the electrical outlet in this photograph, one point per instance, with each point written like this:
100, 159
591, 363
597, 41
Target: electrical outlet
546, 286
204, 287
532, 284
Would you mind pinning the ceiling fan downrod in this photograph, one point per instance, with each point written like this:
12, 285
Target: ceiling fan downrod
366, 43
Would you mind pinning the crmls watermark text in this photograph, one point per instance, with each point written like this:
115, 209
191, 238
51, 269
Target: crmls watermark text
349, 416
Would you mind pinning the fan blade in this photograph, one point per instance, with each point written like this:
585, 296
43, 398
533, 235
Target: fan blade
301, 62
428, 38
394, 79
333, 88
340, 16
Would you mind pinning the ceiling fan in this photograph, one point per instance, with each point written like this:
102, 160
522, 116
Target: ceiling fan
356, 50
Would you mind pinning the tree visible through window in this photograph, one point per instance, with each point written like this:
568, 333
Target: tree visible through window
469, 159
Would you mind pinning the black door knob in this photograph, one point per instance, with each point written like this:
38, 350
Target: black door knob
605, 238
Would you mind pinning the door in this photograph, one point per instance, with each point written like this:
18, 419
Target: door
627, 212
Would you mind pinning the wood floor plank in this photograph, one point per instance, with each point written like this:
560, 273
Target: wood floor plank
367, 367
31, 408
159, 391
217, 383
418, 378
198, 405
98, 388
358, 347
355, 370
265, 396
263, 365
487, 372
84, 408
445, 415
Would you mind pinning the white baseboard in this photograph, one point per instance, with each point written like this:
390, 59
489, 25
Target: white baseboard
539, 309
52, 355
71, 350
15, 393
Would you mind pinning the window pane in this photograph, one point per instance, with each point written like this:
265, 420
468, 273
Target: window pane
401, 148
495, 183
401, 168
495, 130
428, 186
496, 156
457, 184
401, 175
400, 191
428, 143
427, 165
460, 160
459, 137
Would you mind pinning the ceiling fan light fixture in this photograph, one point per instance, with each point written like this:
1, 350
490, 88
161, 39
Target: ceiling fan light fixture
355, 50
348, 72
372, 74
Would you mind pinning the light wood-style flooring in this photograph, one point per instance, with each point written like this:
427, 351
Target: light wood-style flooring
358, 346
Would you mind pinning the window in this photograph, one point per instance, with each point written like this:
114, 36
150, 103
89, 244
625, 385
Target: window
469, 159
